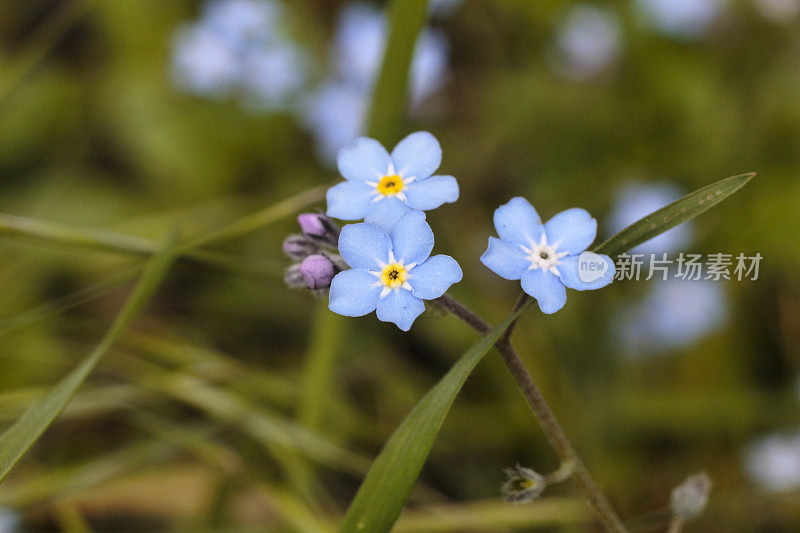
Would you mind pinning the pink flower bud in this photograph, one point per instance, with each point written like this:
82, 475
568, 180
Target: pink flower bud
318, 271
319, 226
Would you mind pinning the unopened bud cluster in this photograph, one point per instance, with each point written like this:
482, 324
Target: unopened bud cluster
313, 252
522, 485
689, 499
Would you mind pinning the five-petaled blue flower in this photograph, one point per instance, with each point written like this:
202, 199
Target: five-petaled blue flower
381, 188
546, 257
391, 273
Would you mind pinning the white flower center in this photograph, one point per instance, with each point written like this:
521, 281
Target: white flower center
543, 255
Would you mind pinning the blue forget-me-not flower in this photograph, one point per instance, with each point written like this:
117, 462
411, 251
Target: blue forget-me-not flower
546, 257
391, 273
380, 188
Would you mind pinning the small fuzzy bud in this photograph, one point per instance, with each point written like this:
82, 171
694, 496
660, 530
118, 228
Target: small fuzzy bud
523, 485
318, 271
690, 498
319, 227
298, 247
293, 278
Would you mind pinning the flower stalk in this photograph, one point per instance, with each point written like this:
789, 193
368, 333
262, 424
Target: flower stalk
544, 415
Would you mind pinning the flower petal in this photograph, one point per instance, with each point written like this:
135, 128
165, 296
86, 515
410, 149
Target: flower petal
431, 192
518, 222
354, 292
574, 230
432, 278
545, 286
364, 160
349, 200
412, 238
571, 275
505, 259
417, 156
400, 307
386, 212
364, 246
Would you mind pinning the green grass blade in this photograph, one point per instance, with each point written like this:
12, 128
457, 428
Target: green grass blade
111, 241
66, 302
384, 492
238, 410
96, 239
260, 219
390, 95
326, 338
16, 440
673, 214
58, 480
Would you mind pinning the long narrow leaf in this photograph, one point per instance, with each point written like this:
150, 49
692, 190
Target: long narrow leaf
16, 440
388, 484
673, 214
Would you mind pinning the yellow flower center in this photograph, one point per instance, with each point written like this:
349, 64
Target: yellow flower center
393, 275
390, 185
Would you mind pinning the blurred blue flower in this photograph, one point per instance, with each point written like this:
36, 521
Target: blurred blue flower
381, 188
774, 462
358, 50
637, 200
681, 18
674, 314
239, 46
546, 257
9, 520
203, 63
391, 273
588, 41
358, 44
273, 75
243, 22
335, 113
429, 68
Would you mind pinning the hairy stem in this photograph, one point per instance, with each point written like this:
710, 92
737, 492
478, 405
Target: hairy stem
544, 415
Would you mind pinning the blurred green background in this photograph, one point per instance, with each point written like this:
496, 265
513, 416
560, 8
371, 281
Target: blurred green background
236, 403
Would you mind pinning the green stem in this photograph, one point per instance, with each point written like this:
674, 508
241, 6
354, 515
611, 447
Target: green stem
390, 95
259, 219
110, 241
16, 440
544, 415
326, 333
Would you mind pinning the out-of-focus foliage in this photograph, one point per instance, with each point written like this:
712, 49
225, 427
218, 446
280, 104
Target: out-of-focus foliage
236, 402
